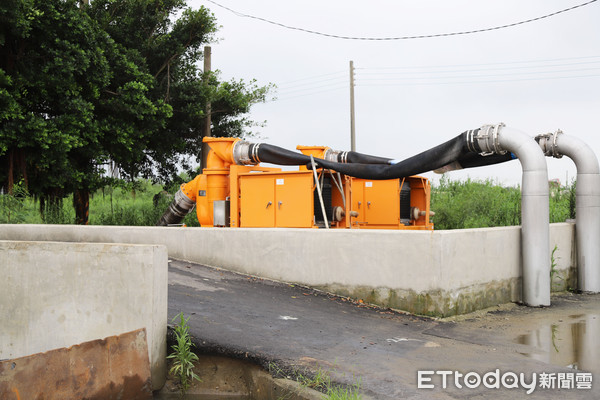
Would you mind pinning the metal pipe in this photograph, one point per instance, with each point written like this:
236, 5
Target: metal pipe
535, 231
314, 169
587, 226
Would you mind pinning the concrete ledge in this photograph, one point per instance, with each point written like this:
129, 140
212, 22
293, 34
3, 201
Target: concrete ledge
55, 295
428, 272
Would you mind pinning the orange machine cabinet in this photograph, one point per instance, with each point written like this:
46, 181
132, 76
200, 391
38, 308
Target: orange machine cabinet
390, 204
271, 199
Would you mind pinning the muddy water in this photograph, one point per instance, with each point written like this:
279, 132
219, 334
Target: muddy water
571, 342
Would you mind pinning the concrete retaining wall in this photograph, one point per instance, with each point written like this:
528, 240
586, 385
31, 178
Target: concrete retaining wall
55, 295
427, 272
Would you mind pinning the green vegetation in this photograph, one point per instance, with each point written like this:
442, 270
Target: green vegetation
479, 204
12, 206
457, 204
320, 381
553, 264
182, 355
141, 203
88, 85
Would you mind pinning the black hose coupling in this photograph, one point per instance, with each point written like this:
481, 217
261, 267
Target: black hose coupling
485, 140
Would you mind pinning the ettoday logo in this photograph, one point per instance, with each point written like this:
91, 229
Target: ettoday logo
508, 380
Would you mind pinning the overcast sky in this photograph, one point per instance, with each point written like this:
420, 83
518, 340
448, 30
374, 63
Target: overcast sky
412, 95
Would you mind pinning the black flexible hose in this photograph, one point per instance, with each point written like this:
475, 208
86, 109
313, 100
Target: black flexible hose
472, 160
277, 155
378, 168
354, 157
280, 156
428, 160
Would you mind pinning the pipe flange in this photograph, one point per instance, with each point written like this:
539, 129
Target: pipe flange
471, 140
241, 153
343, 157
548, 143
485, 140
182, 200
543, 140
254, 153
555, 152
331, 155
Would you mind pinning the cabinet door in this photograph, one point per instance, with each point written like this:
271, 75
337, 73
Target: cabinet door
293, 201
257, 202
357, 199
382, 202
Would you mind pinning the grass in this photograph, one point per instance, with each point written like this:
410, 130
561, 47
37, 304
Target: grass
320, 381
553, 264
182, 355
138, 204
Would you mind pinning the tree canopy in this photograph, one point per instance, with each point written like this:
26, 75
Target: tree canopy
113, 80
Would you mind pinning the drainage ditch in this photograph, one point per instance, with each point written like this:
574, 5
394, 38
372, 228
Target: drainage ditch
225, 378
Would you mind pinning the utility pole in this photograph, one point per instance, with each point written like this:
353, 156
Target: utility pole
207, 121
352, 131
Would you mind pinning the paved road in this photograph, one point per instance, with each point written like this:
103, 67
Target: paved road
296, 328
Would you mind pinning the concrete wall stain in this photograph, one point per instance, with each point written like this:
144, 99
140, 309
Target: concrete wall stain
113, 368
441, 303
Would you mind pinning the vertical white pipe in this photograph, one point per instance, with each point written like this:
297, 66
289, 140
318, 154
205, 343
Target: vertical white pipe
535, 216
587, 228
535, 212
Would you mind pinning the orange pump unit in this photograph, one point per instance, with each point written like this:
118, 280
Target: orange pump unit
235, 191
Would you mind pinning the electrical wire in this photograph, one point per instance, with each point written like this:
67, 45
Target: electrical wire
411, 83
239, 14
484, 75
369, 71
480, 65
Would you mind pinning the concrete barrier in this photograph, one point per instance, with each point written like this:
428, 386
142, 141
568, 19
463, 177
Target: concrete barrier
55, 295
426, 272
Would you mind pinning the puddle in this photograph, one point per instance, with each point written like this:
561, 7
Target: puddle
571, 343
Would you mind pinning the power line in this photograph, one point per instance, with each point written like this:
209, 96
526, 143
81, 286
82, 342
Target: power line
412, 83
367, 71
239, 14
482, 64
484, 75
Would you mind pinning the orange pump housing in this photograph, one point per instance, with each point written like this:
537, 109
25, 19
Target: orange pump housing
227, 194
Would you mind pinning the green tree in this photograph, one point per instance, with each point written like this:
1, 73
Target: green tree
116, 80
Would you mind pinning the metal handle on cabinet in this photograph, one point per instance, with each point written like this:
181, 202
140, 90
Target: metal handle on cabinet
268, 204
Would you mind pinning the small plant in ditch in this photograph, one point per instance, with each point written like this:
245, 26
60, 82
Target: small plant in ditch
182, 355
553, 265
